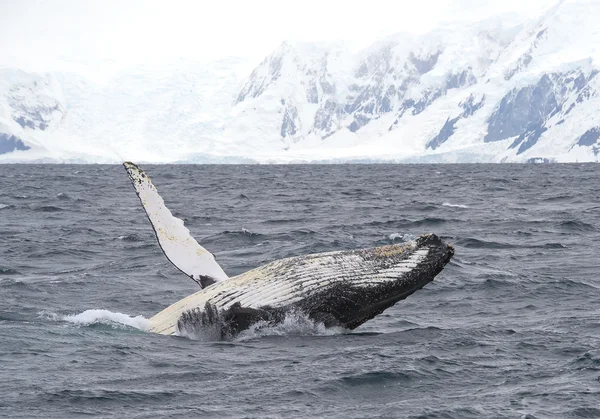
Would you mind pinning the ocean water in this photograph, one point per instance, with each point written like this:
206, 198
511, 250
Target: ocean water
510, 328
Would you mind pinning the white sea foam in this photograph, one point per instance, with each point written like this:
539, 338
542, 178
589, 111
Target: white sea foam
295, 323
2, 206
90, 317
404, 238
447, 204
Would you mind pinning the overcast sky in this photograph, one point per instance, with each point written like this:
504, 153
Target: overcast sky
42, 33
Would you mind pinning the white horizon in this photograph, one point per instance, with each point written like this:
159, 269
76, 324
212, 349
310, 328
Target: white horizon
42, 35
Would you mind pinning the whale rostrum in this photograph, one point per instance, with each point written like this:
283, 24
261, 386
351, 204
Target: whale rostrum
340, 288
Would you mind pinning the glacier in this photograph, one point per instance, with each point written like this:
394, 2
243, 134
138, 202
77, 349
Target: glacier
499, 90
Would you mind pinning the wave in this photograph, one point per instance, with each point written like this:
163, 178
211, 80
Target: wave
63, 197
473, 243
242, 232
447, 204
558, 198
430, 221
574, 225
106, 317
377, 378
401, 238
92, 396
284, 220
48, 208
6, 206
552, 245
131, 238
8, 271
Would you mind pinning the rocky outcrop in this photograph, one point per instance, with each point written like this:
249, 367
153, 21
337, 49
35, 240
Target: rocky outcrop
591, 139
526, 112
469, 107
34, 105
10, 143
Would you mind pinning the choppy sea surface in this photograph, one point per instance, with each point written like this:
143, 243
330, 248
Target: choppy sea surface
510, 328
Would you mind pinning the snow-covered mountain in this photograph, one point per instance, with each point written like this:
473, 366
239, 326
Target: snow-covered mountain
495, 91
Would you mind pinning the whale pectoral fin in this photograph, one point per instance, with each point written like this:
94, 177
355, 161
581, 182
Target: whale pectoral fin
174, 238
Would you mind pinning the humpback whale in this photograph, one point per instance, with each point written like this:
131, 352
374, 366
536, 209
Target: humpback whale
339, 288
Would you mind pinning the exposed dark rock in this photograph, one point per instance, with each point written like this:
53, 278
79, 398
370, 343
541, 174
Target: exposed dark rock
425, 65
586, 92
256, 85
427, 99
522, 63
453, 81
541, 34
521, 108
327, 87
326, 118
529, 138
377, 65
359, 122
469, 106
590, 137
390, 82
312, 94
10, 143
444, 134
362, 71
525, 59
33, 117
457, 80
25, 123
525, 112
581, 85
289, 126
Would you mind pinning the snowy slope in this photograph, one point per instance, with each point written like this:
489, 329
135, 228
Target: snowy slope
147, 114
497, 91
494, 91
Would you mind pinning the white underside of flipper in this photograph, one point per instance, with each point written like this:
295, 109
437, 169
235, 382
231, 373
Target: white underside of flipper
174, 238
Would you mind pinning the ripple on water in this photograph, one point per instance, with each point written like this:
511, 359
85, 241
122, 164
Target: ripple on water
509, 329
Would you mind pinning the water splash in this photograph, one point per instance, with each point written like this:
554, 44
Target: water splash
295, 323
402, 238
117, 320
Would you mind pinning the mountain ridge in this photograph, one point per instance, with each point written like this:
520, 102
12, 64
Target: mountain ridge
493, 91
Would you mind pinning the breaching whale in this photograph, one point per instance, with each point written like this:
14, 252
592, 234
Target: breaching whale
340, 288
